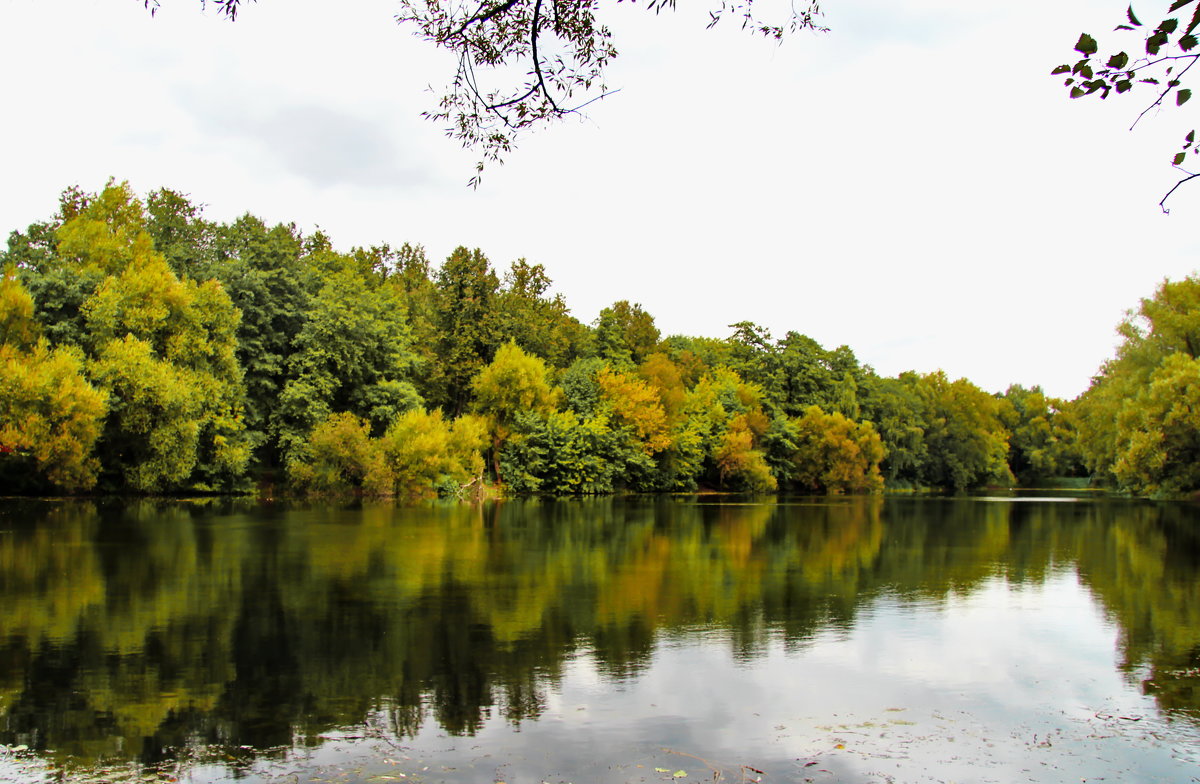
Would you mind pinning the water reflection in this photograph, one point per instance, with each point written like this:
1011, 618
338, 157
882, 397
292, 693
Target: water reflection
149, 632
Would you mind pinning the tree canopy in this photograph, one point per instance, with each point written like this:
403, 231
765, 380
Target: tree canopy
147, 349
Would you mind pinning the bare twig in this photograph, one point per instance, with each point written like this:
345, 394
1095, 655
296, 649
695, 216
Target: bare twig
1163, 204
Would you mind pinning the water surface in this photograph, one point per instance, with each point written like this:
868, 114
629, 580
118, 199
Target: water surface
844, 640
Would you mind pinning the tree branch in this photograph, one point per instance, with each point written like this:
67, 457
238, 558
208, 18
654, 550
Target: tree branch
477, 17
1158, 101
537, 63
1163, 204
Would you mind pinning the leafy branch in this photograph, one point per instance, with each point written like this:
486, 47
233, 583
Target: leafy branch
554, 51
1170, 52
227, 7
527, 63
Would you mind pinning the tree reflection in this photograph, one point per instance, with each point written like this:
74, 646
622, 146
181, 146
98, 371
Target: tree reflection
134, 632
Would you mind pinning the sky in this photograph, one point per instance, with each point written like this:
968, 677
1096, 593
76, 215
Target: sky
912, 184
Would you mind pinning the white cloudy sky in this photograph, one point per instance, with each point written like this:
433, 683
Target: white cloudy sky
912, 184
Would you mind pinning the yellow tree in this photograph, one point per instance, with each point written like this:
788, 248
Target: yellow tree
50, 416
340, 456
634, 404
514, 383
165, 350
719, 434
424, 451
835, 454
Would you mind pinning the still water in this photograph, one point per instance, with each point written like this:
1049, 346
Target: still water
613, 640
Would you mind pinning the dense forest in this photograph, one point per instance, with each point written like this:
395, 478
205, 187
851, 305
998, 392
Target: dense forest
146, 349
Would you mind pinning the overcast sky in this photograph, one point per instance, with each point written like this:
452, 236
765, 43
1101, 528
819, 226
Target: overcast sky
912, 184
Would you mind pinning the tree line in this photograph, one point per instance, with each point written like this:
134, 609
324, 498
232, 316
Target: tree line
147, 349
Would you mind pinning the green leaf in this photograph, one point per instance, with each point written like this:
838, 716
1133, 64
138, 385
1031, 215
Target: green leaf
1060, 70
1175, 6
1133, 20
662, 770
1086, 45
1195, 20
679, 774
1182, 96
1178, 159
1077, 92
1118, 61
1191, 137
1124, 86
1188, 42
1167, 26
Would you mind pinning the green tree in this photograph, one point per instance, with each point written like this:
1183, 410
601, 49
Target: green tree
834, 379
351, 355
1160, 434
1134, 420
537, 322
411, 274
467, 336
966, 442
564, 453
1043, 442
264, 270
180, 233
62, 261
625, 333
898, 414
152, 433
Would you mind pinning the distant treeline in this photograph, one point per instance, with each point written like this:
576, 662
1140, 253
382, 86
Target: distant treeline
146, 349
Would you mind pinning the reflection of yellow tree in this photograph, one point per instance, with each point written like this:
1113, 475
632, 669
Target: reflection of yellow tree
171, 622
49, 574
131, 621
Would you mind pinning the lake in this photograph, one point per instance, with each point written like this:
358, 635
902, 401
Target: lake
898, 639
